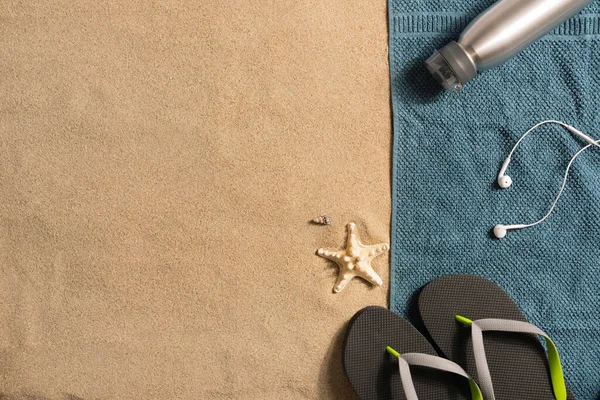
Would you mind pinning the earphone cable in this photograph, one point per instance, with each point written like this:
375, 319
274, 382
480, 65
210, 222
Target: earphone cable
564, 182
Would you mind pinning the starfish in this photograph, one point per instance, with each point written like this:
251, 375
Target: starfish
355, 260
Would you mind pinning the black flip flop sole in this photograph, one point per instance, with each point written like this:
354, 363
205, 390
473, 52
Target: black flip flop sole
517, 362
373, 373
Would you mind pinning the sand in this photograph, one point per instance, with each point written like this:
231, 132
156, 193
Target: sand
160, 163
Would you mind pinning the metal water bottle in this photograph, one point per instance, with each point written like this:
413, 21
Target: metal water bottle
497, 34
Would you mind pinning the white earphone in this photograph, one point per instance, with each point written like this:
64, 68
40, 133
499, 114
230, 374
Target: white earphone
504, 181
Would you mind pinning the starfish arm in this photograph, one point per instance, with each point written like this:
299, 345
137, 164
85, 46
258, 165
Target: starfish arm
377, 249
352, 239
335, 256
342, 280
367, 272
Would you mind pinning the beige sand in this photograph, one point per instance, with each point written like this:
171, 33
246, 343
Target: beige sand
160, 161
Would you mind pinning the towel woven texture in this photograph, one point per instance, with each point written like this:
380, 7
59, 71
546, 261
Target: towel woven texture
448, 148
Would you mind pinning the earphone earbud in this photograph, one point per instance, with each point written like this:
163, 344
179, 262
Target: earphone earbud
505, 181
500, 230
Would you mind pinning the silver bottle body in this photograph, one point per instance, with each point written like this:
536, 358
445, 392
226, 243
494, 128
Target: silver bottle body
496, 35
509, 26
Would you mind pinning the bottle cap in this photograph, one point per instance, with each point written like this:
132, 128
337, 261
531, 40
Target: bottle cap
451, 66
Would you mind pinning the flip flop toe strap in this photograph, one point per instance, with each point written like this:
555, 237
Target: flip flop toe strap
405, 361
505, 325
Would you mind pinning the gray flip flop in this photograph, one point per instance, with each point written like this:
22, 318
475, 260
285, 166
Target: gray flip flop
413, 371
508, 360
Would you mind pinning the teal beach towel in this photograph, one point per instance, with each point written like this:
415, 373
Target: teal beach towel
448, 148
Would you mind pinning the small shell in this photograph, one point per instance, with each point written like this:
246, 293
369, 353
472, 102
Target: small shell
323, 220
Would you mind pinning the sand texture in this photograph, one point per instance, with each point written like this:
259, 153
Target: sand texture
160, 161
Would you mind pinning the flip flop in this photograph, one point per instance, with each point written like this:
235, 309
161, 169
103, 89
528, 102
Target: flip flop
508, 360
385, 357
